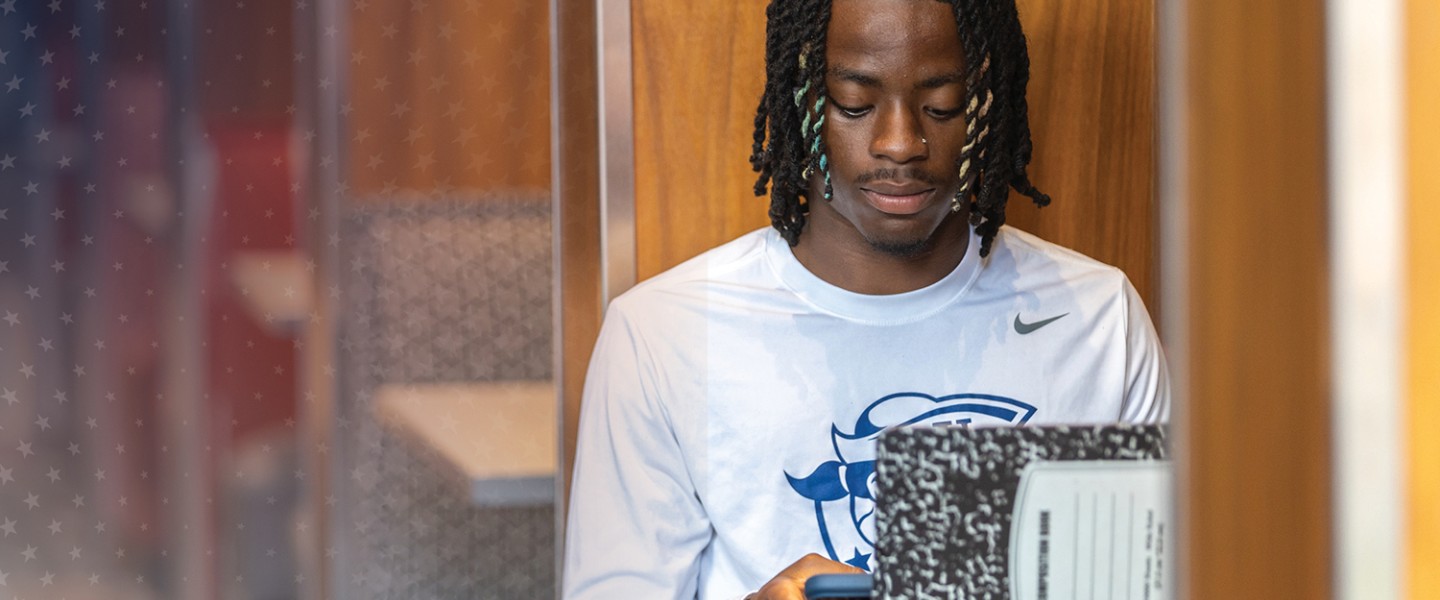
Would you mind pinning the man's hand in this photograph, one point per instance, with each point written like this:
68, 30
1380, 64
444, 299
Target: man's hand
790, 583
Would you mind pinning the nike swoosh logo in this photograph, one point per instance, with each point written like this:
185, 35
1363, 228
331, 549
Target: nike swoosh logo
1023, 328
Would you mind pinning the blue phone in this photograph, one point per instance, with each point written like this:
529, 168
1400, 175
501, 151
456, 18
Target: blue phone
848, 586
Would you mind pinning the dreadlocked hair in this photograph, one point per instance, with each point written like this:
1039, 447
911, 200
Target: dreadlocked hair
788, 145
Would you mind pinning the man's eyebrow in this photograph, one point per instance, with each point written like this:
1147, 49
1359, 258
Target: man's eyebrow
941, 81
851, 75
868, 80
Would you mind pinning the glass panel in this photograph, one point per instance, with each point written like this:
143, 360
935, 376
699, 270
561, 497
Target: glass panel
444, 281
228, 233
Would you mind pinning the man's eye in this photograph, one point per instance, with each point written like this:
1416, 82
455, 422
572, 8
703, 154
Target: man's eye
853, 113
943, 115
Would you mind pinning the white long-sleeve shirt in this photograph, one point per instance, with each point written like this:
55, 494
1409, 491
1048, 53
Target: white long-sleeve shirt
731, 406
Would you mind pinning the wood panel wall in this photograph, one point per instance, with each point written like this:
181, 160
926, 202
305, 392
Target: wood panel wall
699, 70
1423, 147
1092, 115
448, 94
1257, 476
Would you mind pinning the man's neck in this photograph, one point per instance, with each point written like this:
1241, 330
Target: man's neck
834, 251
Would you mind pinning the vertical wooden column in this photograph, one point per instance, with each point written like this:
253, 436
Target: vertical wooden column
1256, 482
1422, 75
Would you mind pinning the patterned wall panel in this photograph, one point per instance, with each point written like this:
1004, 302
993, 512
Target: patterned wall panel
448, 290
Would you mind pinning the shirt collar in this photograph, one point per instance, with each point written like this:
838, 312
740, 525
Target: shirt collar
871, 308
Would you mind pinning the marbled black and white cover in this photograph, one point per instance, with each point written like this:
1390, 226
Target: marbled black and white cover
946, 498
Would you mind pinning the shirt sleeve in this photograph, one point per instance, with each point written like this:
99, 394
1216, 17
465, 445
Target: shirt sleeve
1147, 379
636, 527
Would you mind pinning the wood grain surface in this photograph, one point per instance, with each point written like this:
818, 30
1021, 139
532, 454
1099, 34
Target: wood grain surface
1092, 115
1257, 458
452, 97
699, 71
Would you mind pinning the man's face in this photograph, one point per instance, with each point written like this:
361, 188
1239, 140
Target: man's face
894, 125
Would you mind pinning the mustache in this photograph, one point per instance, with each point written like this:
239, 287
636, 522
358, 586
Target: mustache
905, 174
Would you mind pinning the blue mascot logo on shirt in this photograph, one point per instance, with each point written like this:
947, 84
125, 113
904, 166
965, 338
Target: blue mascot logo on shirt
849, 534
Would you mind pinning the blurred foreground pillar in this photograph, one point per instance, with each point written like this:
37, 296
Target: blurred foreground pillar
1243, 113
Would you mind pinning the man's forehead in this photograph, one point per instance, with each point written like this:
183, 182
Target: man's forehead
891, 22
875, 37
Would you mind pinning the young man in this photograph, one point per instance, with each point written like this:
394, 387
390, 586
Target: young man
732, 402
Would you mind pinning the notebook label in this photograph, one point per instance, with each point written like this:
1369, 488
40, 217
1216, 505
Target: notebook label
1087, 530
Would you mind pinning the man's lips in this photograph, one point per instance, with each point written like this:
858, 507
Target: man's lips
898, 201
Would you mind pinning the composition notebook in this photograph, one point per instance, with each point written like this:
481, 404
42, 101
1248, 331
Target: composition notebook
1025, 513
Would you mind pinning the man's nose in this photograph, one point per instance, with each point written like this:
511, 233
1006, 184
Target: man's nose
898, 137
